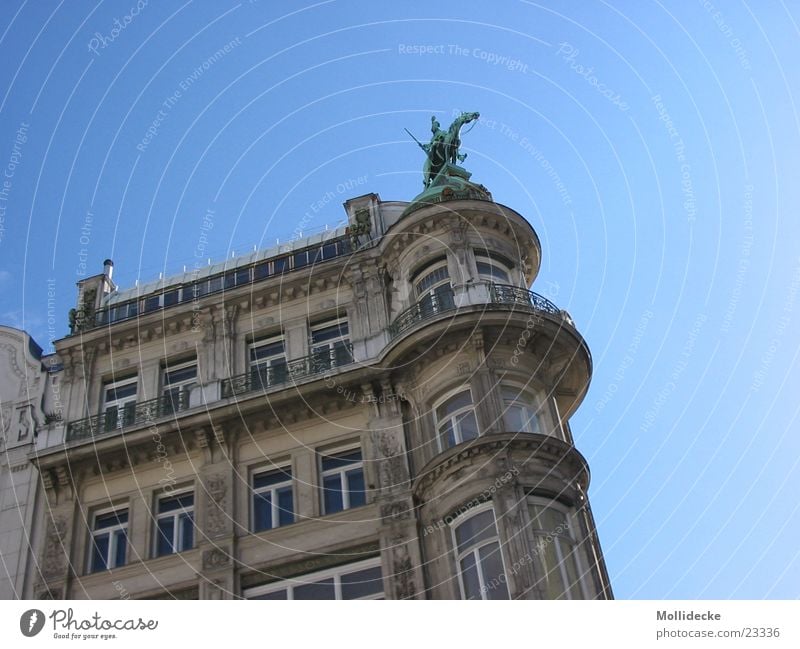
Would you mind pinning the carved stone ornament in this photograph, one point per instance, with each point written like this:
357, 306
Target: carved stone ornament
216, 505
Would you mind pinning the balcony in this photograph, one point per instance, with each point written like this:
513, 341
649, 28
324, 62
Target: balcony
500, 295
132, 414
279, 374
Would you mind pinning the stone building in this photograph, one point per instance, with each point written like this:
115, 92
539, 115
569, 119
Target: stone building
379, 411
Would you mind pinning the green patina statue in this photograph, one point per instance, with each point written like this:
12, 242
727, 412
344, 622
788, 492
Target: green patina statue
442, 150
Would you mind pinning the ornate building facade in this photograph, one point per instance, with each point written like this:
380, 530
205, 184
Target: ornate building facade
380, 411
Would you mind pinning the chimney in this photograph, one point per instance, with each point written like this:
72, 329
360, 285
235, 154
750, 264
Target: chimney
108, 268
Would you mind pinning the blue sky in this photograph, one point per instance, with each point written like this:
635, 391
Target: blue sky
652, 145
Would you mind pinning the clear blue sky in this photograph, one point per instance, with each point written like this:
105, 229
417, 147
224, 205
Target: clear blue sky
653, 146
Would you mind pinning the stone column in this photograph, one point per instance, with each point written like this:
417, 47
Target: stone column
386, 451
215, 514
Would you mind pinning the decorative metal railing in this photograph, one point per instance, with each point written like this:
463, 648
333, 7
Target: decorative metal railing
514, 295
428, 307
115, 419
499, 294
264, 377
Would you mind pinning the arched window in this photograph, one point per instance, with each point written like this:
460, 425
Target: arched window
433, 288
492, 267
556, 547
455, 420
481, 571
520, 411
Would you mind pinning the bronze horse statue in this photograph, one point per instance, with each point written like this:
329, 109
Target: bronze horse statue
443, 147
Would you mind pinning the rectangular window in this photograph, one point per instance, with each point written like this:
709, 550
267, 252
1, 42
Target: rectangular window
171, 297
261, 271
152, 303
178, 381
330, 344
109, 540
280, 265
267, 363
273, 500
119, 403
215, 284
455, 420
301, 259
342, 481
362, 580
175, 524
243, 276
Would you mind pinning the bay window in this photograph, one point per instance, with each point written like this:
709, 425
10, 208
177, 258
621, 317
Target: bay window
520, 415
556, 548
455, 420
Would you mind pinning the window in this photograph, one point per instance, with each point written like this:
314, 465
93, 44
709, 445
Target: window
178, 380
267, 363
556, 549
273, 502
342, 481
109, 540
362, 580
433, 289
152, 303
480, 560
492, 267
330, 344
519, 415
455, 420
119, 403
175, 524
171, 297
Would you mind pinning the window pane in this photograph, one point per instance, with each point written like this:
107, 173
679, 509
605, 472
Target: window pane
285, 506
111, 519
338, 461
281, 265
261, 271
469, 576
460, 400
492, 567
467, 426
332, 494
571, 569
262, 511
166, 532
121, 540
362, 583
269, 478
187, 524
447, 435
324, 589
355, 484
100, 552
180, 375
475, 529
512, 418
278, 594
171, 298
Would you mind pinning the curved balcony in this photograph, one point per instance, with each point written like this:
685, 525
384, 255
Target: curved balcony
500, 295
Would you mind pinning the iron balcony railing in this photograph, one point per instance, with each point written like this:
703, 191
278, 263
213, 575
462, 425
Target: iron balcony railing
264, 377
507, 294
443, 301
114, 419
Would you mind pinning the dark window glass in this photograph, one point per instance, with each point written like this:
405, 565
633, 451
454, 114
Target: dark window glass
243, 276
285, 506
469, 575
475, 529
230, 280
329, 251
166, 532
301, 259
201, 288
355, 484
171, 297
279, 594
362, 583
324, 589
281, 265
261, 271
262, 511
152, 303
215, 284
271, 478
332, 490
337, 461
100, 552
122, 543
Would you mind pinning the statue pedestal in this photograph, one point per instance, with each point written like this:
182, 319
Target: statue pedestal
450, 171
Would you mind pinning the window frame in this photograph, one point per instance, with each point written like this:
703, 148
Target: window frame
275, 508
535, 408
327, 351
342, 473
427, 271
270, 361
571, 519
290, 583
176, 515
454, 418
474, 549
121, 404
113, 539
